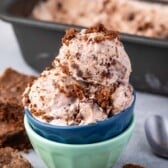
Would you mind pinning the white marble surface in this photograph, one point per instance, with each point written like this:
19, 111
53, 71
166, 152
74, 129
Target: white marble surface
137, 151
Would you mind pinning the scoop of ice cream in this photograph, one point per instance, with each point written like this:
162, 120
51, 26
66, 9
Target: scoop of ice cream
58, 99
94, 55
89, 81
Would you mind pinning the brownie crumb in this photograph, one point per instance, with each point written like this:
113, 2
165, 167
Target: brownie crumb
96, 29
67, 92
78, 91
99, 39
100, 28
70, 33
48, 118
47, 68
103, 97
130, 165
65, 69
37, 113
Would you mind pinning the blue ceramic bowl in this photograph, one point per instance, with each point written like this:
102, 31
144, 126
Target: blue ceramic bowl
85, 134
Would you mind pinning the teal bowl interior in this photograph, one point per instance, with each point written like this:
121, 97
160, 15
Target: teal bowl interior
96, 155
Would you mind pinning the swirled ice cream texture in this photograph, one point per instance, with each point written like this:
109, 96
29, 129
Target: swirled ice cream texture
89, 80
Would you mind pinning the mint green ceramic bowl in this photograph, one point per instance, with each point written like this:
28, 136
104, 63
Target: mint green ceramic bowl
97, 155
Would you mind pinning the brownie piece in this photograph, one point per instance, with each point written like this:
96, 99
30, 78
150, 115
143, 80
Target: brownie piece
12, 132
11, 158
130, 165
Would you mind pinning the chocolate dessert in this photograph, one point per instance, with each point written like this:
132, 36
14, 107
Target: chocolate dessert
12, 132
11, 158
88, 83
130, 165
133, 17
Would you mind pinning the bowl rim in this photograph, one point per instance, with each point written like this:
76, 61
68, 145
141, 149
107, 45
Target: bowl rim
38, 137
51, 126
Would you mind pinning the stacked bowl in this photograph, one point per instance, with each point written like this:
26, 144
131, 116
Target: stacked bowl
96, 145
79, 113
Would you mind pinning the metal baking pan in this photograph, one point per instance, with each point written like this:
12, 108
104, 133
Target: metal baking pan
40, 41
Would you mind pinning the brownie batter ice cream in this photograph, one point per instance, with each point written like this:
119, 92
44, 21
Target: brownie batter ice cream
133, 16
95, 55
89, 80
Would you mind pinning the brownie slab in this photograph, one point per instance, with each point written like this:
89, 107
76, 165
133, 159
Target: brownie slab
11, 158
12, 132
130, 165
